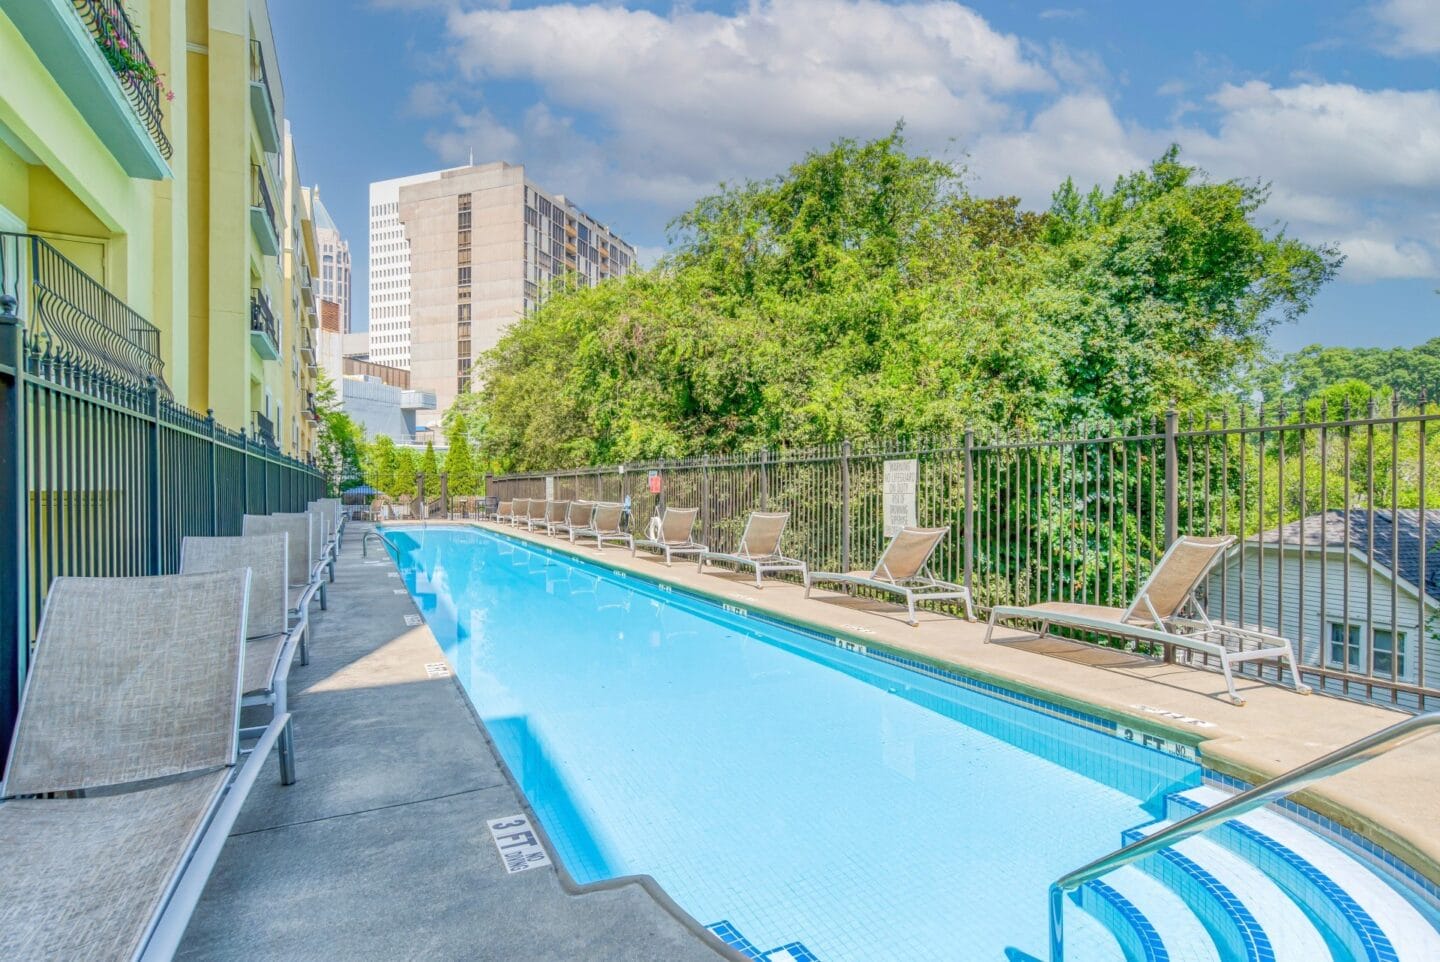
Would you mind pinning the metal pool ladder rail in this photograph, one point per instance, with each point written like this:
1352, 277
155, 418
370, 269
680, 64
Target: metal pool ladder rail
1299, 778
373, 533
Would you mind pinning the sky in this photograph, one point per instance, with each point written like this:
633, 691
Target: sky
634, 109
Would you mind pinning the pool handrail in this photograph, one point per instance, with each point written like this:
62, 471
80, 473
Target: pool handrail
1303, 776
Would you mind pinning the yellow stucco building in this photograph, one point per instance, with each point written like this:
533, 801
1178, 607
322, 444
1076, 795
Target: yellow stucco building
150, 201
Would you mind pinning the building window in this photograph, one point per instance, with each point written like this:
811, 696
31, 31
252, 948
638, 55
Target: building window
463, 276
463, 238
1383, 645
462, 347
462, 329
1344, 645
462, 312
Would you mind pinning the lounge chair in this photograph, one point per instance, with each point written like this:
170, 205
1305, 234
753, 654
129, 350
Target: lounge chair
536, 515
577, 517
904, 569
329, 512
519, 512
337, 515
271, 638
504, 511
556, 514
671, 534
306, 560
605, 526
134, 680
1165, 612
759, 547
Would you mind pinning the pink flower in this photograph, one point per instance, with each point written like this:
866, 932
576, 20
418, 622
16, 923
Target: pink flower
123, 44
170, 95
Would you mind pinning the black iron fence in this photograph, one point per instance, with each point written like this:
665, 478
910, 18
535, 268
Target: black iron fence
120, 45
1336, 515
104, 475
262, 317
260, 195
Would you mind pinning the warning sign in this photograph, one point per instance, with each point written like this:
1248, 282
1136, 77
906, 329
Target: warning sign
900, 477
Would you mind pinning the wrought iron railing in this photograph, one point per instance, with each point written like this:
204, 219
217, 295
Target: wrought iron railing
83, 322
1336, 514
263, 430
104, 475
260, 195
258, 73
262, 318
120, 45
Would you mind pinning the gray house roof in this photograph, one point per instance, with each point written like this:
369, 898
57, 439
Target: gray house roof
1395, 531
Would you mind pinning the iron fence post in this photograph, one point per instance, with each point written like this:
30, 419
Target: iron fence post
152, 478
1172, 477
845, 505
420, 495
244, 473
967, 520
14, 643
214, 476
445, 492
264, 476
764, 479
705, 498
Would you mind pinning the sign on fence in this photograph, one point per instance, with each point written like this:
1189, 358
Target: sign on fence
550, 487
900, 479
654, 482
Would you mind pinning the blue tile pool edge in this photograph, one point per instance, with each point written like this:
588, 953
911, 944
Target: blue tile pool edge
567, 881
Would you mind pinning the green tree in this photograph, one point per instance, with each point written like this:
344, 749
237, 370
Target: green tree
380, 464
340, 441
866, 293
430, 468
1409, 371
459, 461
407, 466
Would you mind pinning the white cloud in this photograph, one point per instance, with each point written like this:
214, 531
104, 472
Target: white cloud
655, 109
1412, 27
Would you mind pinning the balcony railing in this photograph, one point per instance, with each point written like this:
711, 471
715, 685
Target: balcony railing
264, 430
120, 46
262, 99
83, 323
262, 211
263, 335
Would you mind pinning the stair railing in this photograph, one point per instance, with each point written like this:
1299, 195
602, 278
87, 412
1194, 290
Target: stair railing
1295, 780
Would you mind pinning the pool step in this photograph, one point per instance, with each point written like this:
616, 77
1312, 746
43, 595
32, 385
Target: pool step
1260, 888
1361, 909
726, 932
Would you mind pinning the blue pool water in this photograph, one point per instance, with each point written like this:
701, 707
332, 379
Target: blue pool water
801, 792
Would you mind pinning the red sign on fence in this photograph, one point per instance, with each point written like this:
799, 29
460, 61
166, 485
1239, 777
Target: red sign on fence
654, 482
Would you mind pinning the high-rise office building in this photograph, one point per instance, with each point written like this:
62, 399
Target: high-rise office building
334, 268
458, 255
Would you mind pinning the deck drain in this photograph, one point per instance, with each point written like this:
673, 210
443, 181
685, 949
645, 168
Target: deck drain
519, 846
400, 591
414, 621
437, 669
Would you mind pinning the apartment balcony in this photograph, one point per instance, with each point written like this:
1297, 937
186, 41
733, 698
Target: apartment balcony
262, 212
262, 101
94, 53
307, 345
264, 336
311, 412
80, 322
263, 431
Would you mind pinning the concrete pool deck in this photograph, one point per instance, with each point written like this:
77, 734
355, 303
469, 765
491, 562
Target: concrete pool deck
381, 849
1390, 800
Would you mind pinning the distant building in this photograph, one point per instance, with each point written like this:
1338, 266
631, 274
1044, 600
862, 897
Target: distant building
1351, 587
458, 255
334, 270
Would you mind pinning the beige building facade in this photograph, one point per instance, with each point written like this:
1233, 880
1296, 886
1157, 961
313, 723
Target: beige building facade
481, 246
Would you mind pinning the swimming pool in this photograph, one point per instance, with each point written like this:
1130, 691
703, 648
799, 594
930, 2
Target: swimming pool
806, 795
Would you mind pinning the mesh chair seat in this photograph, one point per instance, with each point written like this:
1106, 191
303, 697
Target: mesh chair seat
83, 877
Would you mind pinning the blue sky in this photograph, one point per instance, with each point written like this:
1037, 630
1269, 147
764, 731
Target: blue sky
635, 109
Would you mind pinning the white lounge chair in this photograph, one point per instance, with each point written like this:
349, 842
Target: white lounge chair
577, 518
759, 547
904, 569
556, 515
329, 511
133, 699
535, 516
504, 511
271, 638
307, 559
605, 526
671, 534
1165, 612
